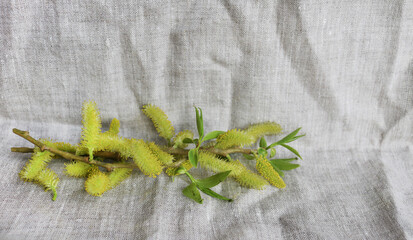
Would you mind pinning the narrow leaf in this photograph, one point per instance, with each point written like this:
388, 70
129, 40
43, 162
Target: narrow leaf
212, 135
263, 143
295, 138
193, 193
213, 194
282, 165
212, 181
292, 150
180, 170
289, 137
285, 159
187, 140
199, 122
248, 157
202, 123
193, 156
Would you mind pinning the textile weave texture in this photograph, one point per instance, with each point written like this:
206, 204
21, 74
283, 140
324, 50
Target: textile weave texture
341, 70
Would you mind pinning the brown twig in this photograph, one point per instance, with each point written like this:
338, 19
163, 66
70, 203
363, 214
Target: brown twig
22, 149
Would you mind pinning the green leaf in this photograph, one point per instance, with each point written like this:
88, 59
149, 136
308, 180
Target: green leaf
248, 157
272, 152
212, 135
213, 194
286, 159
199, 122
277, 169
187, 140
262, 152
295, 138
193, 157
291, 149
193, 193
212, 181
282, 165
263, 143
180, 170
289, 136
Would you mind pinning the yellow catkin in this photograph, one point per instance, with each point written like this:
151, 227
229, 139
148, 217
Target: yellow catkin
178, 140
114, 127
118, 175
97, 183
138, 150
268, 172
172, 170
162, 156
48, 179
144, 158
91, 127
77, 169
238, 171
160, 120
248, 179
233, 137
261, 129
113, 143
35, 165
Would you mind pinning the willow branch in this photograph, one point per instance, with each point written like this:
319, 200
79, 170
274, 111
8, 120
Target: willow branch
114, 155
170, 150
70, 156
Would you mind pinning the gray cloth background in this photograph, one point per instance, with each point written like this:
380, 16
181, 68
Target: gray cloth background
342, 70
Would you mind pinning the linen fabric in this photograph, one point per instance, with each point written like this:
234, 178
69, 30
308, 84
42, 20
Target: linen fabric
341, 70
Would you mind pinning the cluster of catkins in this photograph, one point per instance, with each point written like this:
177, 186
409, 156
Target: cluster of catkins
150, 158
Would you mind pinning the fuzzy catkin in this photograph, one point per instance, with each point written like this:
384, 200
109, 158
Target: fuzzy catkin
138, 150
97, 183
144, 158
233, 137
160, 120
261, 129
268, 172
77, 169
35, 165
48, 179
118, 175
238, 171
114, 127
162, 156
248, 179
91, 127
